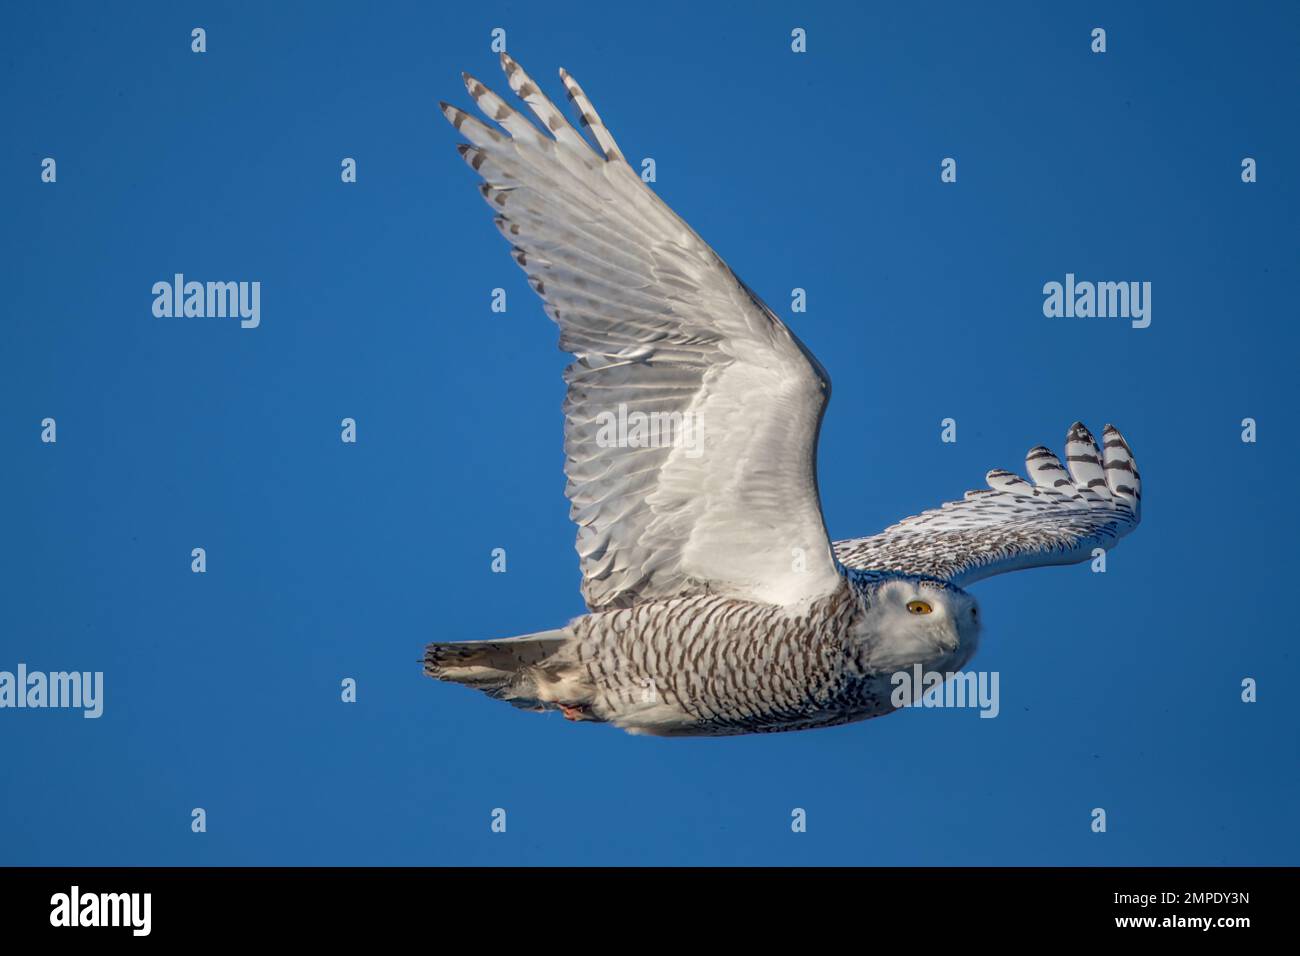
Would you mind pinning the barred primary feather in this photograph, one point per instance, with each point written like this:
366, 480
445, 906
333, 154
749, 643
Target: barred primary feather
1012, 525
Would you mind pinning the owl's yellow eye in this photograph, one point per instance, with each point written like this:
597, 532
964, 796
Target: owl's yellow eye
919, 607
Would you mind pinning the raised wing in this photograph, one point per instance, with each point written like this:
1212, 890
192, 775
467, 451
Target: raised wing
692, 413
1058, 519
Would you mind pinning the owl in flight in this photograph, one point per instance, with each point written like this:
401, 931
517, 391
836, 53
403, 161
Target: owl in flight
718, 605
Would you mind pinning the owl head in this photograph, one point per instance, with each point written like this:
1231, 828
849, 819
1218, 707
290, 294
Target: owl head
911, 619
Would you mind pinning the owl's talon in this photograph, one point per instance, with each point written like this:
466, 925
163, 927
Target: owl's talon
573, 711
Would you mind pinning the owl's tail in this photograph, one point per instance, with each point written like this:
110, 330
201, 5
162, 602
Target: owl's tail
507, 669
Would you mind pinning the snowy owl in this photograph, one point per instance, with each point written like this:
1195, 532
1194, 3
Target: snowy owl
717, 603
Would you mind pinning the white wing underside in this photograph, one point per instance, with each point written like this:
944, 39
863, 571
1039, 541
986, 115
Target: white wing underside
657, 323
1058, 519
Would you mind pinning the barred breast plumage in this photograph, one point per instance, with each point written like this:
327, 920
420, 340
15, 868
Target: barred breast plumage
708, 664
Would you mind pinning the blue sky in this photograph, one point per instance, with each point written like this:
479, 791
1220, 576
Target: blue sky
820, 171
